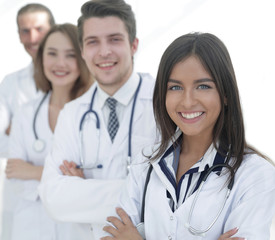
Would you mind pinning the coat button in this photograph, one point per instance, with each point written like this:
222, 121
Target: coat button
170, 238
171, 218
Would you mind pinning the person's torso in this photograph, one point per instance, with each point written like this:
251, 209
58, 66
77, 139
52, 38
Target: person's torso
97, 147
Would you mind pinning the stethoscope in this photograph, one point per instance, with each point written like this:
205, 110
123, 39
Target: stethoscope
81, 126
39, 144
192, 230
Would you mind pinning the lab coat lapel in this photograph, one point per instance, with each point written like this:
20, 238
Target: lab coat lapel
123, 131
167, 184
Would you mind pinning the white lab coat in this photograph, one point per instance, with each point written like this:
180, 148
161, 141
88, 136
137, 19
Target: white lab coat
29, 220
250, 205
92, 199
16, 89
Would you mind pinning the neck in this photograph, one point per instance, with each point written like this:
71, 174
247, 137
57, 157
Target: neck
59, 97
196, 146
118, 82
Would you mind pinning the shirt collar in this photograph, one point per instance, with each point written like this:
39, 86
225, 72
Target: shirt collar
207, 160
123, 95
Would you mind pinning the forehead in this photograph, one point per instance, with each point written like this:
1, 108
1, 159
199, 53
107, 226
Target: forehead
190, 68
34, 19
103, 27
58, 40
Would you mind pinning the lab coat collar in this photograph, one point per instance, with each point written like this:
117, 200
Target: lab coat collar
144, 93
175, 145
123, 95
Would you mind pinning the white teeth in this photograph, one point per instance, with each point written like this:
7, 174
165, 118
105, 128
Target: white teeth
191, 115
106, 64
60, 73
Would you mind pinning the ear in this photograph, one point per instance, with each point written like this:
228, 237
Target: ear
134, 46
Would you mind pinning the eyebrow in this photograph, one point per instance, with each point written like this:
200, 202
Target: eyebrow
55, 49
202, 80
108, 36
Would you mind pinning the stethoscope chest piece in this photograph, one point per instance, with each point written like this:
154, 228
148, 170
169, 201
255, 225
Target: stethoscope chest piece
38, 145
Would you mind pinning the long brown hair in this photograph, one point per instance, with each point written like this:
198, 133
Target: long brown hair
84, 80
212, 53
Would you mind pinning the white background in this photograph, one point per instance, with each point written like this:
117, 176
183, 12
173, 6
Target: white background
245, 26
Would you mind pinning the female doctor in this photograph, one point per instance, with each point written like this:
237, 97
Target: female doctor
203, 155
62, 75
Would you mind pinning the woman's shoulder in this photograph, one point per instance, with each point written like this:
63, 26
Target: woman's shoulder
256, 169
27, 109
255, 161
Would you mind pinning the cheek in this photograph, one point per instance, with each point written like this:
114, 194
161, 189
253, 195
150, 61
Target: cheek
88, 56
216, 108
77, 70
74, 65
40, 37
23, 39
46, 63
88, 52
170, 105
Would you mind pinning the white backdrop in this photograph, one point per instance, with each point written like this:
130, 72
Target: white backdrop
246, 27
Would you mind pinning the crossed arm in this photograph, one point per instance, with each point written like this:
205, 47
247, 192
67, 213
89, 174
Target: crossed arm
20, 169
125, 230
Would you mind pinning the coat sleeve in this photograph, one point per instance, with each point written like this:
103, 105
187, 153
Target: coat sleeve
69, 198
5, 115
131, 197
255, 208
18, 149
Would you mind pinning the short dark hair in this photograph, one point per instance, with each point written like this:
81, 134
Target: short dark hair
213, 55
106, 8
84, 80
36, 7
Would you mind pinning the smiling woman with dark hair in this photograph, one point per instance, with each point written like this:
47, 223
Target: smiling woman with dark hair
204, 181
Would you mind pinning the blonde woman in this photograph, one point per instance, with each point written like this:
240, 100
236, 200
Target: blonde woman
62, 75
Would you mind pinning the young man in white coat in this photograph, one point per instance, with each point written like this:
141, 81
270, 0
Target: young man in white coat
84, 173
33, 21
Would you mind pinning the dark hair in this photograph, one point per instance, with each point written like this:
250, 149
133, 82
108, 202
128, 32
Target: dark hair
83, 81
106, 8
36, 7
213, 55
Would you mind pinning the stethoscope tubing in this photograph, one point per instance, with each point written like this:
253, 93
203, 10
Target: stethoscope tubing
38, 144
229, 188
35, 116
90, 110
191, 229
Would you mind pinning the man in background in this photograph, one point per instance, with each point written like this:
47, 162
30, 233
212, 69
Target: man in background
33, 21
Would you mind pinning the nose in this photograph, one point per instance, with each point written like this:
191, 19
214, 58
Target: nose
60, 61
34, 36
104, 50
188, 99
